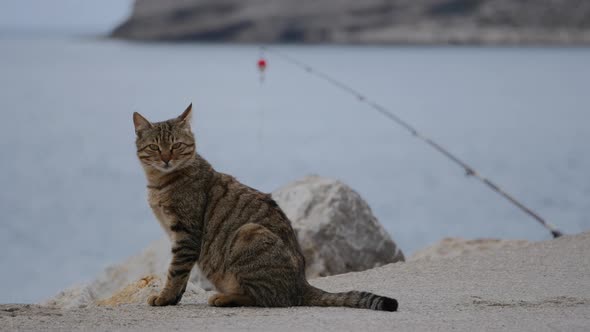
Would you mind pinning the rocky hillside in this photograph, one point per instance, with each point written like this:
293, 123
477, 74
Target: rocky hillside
367, 21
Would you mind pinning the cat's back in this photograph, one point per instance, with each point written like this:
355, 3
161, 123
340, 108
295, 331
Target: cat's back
233, 204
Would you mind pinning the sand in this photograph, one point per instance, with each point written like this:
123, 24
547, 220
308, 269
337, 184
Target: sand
542, 287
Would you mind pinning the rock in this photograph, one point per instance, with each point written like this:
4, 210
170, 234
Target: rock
153, 260
136, 292
453, 247
367, 21
121, 283
335, 227
77, 296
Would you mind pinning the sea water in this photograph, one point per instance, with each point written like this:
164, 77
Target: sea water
73, 196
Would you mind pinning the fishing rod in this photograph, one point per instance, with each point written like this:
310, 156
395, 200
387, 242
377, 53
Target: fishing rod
469, 171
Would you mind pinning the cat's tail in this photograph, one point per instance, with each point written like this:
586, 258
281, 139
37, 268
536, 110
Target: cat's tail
353, 299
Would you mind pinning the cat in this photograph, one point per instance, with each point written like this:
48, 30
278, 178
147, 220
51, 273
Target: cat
239, 237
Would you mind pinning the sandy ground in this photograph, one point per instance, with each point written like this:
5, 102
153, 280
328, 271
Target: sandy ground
542, 287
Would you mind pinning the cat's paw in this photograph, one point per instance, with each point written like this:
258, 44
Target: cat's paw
213, 298
230, 300
160, 301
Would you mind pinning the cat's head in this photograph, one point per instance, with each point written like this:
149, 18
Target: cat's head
167, 145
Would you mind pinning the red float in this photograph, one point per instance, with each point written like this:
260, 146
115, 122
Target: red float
261, 64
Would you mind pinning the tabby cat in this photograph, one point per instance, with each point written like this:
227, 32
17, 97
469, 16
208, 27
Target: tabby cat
239, 237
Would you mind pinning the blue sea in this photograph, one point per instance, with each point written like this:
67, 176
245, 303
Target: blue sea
72, 194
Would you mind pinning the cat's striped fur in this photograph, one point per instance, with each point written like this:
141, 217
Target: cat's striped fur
239, 237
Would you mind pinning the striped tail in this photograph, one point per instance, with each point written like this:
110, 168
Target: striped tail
354, 299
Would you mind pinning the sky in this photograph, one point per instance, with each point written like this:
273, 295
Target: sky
78, 16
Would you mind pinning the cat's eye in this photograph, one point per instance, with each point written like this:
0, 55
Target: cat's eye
176, 145
153, 147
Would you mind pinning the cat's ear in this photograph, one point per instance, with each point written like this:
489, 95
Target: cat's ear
186, 116
140, 122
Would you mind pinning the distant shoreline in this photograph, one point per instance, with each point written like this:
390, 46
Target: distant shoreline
428, 22
582, 42
490, 37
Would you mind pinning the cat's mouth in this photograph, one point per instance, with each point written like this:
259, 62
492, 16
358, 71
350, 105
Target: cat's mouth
166, 168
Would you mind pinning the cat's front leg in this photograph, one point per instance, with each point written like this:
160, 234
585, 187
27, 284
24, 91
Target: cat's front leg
185, 254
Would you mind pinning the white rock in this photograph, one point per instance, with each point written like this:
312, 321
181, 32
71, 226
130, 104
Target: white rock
335, 227
139, 291
123, 282
153, 260
74, 297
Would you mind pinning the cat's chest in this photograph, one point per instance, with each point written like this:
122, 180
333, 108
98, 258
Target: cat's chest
160, 205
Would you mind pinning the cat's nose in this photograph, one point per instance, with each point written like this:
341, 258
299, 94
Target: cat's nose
166, 158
